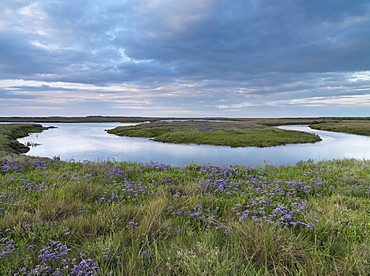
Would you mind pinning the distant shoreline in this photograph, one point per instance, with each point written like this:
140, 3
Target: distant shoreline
129, 119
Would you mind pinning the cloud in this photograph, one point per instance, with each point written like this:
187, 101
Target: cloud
210, 54
353, 100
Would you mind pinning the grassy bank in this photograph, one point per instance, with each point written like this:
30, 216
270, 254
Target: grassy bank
234, 134
119, 218
9, 133
360, 127
352, 125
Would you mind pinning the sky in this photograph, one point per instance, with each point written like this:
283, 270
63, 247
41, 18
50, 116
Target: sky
193, 58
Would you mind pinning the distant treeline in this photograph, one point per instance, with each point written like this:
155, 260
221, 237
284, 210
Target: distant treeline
57, 119
94, 119
334, 118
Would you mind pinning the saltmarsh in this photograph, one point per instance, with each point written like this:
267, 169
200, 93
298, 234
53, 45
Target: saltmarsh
10, 132
234, 134
120, 218
360, 127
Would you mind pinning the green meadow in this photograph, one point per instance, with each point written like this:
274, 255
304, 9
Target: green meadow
124, 218
118, 218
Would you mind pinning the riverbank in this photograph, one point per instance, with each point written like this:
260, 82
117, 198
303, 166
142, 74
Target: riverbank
9, 133
123, 218
358, 127
351, 125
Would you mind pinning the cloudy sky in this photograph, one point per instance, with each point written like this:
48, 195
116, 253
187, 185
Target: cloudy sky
229, 58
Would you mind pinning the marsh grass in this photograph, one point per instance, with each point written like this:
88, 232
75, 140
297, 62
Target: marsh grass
10, 132
233, 134
270, 248
360, 127
121, 218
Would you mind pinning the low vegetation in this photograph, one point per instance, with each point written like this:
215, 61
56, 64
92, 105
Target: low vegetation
352, 125
9, 133
228, 133
87, 119
360, 127
121, 218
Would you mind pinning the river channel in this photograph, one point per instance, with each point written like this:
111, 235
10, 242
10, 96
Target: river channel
90, 141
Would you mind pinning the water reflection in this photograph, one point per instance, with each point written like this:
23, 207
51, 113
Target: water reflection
90, 141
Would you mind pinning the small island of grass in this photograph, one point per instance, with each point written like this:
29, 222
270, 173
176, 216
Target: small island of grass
228, 133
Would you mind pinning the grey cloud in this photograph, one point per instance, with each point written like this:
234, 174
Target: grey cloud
221, 39
267, 37
4, 94
233, 49
18, 56
42, 87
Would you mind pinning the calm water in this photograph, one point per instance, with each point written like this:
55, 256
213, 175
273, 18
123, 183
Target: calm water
90, 141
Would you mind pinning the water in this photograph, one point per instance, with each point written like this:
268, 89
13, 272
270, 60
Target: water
90, 141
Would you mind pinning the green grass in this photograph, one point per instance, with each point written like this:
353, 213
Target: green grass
234, 134
122, 218
360, 127
9, 133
